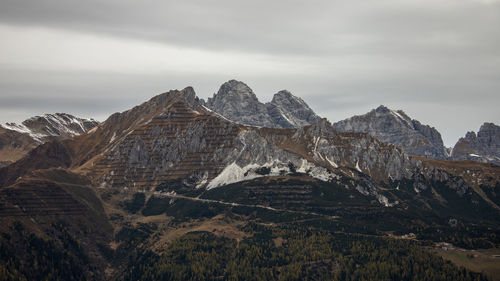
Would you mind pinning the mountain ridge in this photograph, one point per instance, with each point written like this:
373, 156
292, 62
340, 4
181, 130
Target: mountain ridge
173, 137
170, 176
397, 128
483, 146
237, 102
16, 140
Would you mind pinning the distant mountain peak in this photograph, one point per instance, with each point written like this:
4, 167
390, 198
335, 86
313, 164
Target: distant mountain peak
236, 101
16, 140
382, 108
285, 98
52, 125
284, 94
483, 146
234, 88
396, 127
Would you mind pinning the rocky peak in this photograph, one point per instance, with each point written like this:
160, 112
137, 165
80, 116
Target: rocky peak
399, 129
483, 147
489, 130
237, 102
121, 123
291, 111
382, 109
285, 98
49, 126
187, 94
59, 125
167, 145
16, 140
322, 128
470, 135
231, 93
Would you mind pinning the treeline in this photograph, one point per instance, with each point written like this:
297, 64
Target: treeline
294, 253
26, 256
283, 252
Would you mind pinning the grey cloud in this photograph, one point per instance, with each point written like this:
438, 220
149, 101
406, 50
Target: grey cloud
98, 95
430, 58
301, 27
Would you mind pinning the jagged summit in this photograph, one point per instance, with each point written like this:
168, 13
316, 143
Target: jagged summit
146, 177
382, 108
293, 109
16, 140
483, 147
236, 89
233, 91
285, 96
237, 102
172, 144
398, 128
52, 125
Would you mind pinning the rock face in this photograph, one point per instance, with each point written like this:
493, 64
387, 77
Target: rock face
237, 102
290, 111
16, 140
483, 147
51, 126
177, 140
194, 169
397, 128
173, 143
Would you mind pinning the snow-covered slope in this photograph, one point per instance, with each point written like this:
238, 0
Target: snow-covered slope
18, 139
44, 127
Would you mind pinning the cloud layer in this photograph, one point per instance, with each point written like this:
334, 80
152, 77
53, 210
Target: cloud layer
437, 60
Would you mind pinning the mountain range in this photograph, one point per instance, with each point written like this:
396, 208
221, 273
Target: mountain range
116, 198
483, 147
397, 128
237, 102
415, 138
16, 140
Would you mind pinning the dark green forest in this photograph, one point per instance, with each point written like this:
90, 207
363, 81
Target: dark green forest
285, 252
302, 254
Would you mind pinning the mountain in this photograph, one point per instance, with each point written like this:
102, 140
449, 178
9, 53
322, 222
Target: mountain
16, 140
483, 147
237, 102
172, 190
397, 128
174, 140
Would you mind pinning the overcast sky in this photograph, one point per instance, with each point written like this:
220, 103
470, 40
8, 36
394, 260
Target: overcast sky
438, 60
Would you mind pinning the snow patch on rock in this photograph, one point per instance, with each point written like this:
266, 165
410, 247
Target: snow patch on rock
234, 173
231, 174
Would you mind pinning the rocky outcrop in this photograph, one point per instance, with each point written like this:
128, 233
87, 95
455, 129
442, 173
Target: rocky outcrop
52, 126
483, 147
397, 128
237, 102
16, 140
290, 111
172, 140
